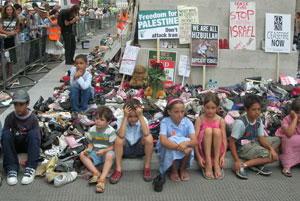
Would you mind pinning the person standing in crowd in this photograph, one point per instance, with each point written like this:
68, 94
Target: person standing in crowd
53, 46
9, 25
68, 18
122, 20
18, 8
57, 7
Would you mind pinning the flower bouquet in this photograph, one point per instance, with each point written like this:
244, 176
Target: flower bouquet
156, 76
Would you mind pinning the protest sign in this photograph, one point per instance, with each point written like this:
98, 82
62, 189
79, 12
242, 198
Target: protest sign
168, 59
184, 66
129, 60
154, 24
186, 17
205, 45
242, 26
278, 33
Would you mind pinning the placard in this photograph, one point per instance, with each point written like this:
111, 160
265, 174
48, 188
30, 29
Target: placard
154, 24
205, 45
186, 17
168, 59
242, 26
184, 66
278, 33
129, 60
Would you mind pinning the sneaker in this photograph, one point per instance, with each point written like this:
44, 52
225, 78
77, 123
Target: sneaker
65, 178
69, 153
158, 182
261, 170
12, 178
242, 173
115, 177
147, 175
28, 177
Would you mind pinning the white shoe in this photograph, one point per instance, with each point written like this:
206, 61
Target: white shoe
28, 177
12, 178
65, 178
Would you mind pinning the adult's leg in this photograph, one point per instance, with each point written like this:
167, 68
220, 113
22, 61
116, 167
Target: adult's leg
73, 47
33, 149
67, 46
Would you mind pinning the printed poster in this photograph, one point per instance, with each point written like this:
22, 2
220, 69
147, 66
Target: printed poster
184, 66
205, 45
242, 35
154, 24
186, 17
169, 60
129, 60
278, 33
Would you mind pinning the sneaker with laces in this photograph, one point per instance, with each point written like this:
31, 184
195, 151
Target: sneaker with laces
158, 182
28, 177
115, 177
242, 173
147, 175
261, 170
12, 178
65, 178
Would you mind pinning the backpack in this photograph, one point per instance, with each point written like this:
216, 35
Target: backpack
59, 18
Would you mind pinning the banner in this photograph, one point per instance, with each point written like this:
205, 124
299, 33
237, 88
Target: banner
184, 66
129, 60
168, 59
186, 17
242, 26
205, 45
278, 33
154, 24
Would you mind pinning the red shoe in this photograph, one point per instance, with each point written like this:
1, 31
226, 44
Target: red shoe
115, 177
221, 44
147, 175
226, 46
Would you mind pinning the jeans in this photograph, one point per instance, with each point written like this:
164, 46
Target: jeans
14, 144
70, 46
80, 98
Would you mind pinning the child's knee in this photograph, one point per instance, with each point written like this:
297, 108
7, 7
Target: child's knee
148, 140
7, 135
110, 156
208, 131
217, 132
119, 141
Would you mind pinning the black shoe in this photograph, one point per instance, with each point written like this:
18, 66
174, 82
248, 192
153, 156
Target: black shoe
69, 153
56, 127
63, 168
38, 103
158, 182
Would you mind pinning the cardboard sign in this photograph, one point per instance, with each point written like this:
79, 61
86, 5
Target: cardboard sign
186, 17
184, 66
129, 60
278, 33
168, 59
242, 26
205, 45
154, 24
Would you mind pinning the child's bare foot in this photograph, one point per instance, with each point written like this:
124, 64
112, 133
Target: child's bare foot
208, 171
184, 176
218, 173
174, 175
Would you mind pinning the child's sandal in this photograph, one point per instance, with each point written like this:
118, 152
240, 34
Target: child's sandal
100, 187
94, 179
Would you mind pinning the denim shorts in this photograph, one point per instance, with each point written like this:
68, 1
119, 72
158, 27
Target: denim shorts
136, 150
99, 159
256, 150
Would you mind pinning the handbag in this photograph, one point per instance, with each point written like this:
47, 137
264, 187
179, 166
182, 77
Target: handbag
59, 44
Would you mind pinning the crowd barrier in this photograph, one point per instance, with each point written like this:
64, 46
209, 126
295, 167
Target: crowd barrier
17, 61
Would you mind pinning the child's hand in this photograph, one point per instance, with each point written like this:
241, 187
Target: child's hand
127, 111
182, 146
222, 161
293, 114
237, 165
273, 155
201, 162
187, 151
100, 152
139, 111
87, 152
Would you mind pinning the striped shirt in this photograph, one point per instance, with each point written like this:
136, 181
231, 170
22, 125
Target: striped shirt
102, 140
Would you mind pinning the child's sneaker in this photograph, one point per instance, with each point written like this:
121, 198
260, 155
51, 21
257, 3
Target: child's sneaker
147, 175
158, 182
242, 173
12, 178
261, 170
65, 178
115, 177
28, 177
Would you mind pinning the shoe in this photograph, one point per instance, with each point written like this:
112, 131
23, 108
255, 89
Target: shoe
51, 165
111, 94
69, 153
28, 177
85, 120
115, 177
261, 170
38, 103
65, 178
64, 168
158, 182
121, 93
12, 178
287, 173
147, 175
242, 173
221, 44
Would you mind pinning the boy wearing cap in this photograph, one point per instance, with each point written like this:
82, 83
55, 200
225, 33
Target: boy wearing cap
21, 134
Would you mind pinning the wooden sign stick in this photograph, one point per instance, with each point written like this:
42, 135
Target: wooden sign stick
158, 50
203, 77
277, 70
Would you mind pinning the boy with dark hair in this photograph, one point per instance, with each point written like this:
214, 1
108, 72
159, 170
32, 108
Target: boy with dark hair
248, 142
100, 148
134, 139
21, 134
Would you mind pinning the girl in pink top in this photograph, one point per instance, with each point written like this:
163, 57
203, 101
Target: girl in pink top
289, 134
211, 135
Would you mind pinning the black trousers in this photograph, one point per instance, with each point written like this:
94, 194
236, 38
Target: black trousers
70, 46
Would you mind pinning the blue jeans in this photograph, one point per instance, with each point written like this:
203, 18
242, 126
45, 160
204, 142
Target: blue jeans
80, 98
14, 144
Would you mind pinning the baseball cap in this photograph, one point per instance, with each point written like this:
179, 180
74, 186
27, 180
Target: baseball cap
28, 6
20, 96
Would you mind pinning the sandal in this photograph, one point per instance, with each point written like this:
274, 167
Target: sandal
94, 178
287, 173
222, 174
100, 187
147, 175
185, 176
206, 177
174, 177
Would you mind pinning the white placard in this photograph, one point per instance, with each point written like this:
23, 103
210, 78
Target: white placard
184, 66
129, 60
278, 33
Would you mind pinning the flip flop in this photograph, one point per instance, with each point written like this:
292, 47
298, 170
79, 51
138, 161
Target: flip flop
184, 176
174, 177
222, 176
287, 173
204, 175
